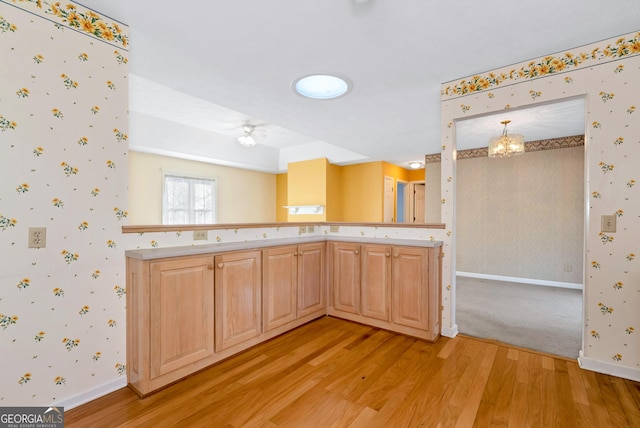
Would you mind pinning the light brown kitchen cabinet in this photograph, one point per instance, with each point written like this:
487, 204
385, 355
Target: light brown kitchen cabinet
293, 284
188, 312
280, 286
391, 287
410, 293
376, 281
170, 316
311, 280
344, 272
183, 298
238, 298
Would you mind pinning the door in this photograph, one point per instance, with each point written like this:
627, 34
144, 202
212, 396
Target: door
389, 200
418, 203
376, 281
311, 283
238, 297
279, 286
181, 313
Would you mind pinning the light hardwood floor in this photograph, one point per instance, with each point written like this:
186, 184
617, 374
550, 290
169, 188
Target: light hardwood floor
334, 373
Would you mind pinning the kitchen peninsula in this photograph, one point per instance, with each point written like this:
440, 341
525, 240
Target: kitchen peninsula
191, 306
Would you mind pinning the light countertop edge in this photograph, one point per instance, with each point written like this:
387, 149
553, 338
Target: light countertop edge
193, 250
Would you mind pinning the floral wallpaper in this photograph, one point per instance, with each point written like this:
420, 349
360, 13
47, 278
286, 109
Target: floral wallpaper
63, 157
606, 75
146, 240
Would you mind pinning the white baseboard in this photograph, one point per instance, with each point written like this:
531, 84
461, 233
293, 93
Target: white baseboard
92, 394
587, 363
521, 280
449, 331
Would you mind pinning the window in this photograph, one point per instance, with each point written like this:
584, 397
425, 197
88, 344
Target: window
188, 200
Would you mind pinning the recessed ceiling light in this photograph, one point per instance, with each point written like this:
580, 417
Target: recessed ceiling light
321, 86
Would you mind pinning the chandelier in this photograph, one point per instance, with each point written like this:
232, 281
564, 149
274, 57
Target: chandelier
506, 145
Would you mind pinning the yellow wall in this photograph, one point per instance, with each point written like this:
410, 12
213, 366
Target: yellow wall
334, 193
307, 185
416, 174
281, 197
362, 186
244, 196
351, 193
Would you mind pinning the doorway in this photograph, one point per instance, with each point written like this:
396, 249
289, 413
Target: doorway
520, 219
402, 202
418, 203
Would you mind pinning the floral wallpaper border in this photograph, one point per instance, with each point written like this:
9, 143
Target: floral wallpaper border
80, 19
553, 64
530, 146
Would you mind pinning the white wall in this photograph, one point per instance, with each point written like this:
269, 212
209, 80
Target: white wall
432, 192
606, 74
522, 216
244, 196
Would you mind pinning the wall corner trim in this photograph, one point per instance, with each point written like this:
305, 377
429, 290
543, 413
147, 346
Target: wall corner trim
92, 394
450, 331
608, 368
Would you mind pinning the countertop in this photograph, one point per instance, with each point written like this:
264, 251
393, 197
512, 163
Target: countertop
192, 250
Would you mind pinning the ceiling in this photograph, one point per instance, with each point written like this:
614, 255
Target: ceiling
208, 69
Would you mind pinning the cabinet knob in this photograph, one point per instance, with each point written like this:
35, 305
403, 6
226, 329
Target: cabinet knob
210, 267
296, 254
395, 255
357, 252
388, 254
220, 265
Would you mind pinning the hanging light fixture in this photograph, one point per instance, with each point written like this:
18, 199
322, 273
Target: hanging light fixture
506, 145
247, 139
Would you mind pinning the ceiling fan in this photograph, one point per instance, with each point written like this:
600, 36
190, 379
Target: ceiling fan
247, 139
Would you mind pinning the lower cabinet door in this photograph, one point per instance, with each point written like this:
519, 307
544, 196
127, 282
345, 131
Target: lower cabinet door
311, 275
238, 298
345, 277
376, 282
181, 313
279, 286
410, 284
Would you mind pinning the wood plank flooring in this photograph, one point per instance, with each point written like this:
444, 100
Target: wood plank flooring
334, 373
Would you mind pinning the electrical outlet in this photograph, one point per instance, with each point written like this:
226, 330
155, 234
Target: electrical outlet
302, 229
37, 237
568, 267
311, 229
200, 235
334, 228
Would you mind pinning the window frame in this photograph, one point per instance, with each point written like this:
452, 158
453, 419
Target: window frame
191, 209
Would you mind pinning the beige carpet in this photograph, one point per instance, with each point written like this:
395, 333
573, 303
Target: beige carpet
546, 319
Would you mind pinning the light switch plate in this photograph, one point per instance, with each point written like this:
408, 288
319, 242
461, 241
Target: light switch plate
608, 223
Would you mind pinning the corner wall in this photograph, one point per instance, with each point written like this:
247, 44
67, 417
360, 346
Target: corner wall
606, 74
63, 157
